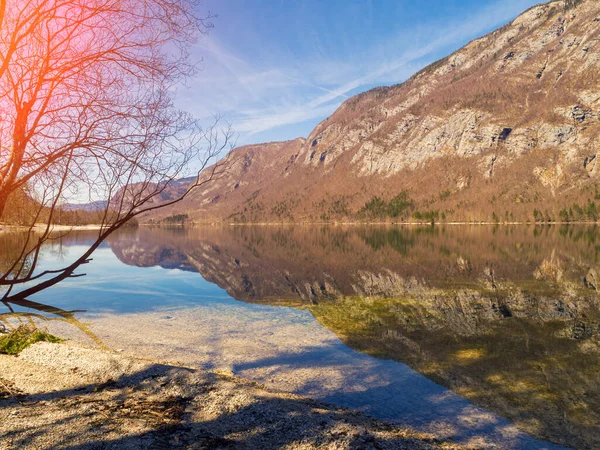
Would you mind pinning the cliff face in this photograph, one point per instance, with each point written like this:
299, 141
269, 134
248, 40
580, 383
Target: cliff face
504, 129
530, 85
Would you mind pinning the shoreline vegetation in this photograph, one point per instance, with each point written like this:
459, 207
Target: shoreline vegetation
66, 395
359, 224
42, 227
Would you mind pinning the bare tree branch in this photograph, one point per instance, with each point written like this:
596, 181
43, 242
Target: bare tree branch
86, 91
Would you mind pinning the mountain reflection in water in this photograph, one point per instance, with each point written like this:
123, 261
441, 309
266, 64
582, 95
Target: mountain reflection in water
507, 316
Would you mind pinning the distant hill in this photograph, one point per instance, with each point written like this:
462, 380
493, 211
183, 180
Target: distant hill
505, 129
93, 206
175, 189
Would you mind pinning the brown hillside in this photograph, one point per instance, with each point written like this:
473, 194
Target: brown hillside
504, 129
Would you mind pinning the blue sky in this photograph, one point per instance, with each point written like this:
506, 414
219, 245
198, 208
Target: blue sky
276, 68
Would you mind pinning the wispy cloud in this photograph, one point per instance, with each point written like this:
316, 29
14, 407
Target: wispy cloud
259, 97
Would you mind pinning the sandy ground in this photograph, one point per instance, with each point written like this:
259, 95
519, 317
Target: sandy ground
287, 350
66, 396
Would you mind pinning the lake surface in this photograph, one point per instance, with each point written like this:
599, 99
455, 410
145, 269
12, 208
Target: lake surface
486, 335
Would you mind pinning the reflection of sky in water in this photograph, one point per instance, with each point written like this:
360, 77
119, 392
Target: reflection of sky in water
113, 287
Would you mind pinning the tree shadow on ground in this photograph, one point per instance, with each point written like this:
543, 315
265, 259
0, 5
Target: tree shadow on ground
171, 407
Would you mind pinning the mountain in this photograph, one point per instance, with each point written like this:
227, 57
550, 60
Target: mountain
170, 191
505, 129
98, 205
175, 189
250, 170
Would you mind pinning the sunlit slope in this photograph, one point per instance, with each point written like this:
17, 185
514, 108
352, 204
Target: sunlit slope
504, 129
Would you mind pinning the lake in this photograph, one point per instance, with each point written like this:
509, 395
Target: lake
489, 335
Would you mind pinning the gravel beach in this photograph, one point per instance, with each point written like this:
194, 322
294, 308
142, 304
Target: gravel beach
69, 396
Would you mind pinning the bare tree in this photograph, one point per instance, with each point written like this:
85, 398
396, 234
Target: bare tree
86, 94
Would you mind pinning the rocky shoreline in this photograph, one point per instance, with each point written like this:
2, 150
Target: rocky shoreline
69, 396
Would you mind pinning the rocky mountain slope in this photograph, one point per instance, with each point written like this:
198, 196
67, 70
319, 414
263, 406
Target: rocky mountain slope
504, 129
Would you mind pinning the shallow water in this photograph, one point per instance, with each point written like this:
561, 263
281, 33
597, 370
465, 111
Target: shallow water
465, 331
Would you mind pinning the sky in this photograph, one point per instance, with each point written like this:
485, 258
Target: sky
274, 69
